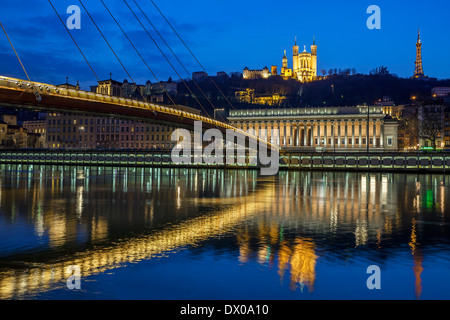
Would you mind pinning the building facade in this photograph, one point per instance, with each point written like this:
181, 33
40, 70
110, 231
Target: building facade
249, 96
358, 128
256, 74
68, 130
304, 64
440, 92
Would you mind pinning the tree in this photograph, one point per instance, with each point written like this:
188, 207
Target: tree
430, 123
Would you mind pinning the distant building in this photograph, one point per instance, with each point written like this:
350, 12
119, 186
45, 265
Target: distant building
273, 70
14, 136
249, 96
440, 91
9, 119
109, 87
163, 86
447, 127
256, 74
67, 85
389, 107
199, 76
222, 74
36, 133
304, 66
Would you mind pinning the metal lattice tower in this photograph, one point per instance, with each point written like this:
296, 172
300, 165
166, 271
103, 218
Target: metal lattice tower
418, 72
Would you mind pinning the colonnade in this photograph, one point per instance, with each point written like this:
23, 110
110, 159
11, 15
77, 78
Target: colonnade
351, 133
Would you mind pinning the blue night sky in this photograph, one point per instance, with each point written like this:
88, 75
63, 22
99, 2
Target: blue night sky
224, 35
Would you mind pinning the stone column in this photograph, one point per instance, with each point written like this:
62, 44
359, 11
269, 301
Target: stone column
374, 134
318, 132
333, 125
346, 133
381, 134
353, 134
339, 133
305, 133
360, 133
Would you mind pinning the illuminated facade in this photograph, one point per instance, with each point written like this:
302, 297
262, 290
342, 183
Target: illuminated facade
339, 128
304, 66
256, 74
249, 96
67, 130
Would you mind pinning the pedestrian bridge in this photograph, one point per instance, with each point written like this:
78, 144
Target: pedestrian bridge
17, 93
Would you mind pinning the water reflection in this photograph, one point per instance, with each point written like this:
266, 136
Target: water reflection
104, 218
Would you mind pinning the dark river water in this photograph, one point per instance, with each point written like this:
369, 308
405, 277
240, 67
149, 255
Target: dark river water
152, 233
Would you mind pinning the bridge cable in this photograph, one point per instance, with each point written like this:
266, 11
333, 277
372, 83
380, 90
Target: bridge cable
36, 93
143, 60
148, 33
182, 41
176, 57
76, 44
117, 57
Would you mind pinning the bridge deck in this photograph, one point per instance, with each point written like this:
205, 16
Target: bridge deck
19, 93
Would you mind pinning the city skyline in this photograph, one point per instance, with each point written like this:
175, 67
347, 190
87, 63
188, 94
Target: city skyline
226, 42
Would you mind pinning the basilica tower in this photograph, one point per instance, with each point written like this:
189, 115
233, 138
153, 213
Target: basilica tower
314, 58
295, 57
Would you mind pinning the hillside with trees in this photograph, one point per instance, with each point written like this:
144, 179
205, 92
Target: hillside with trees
340, 88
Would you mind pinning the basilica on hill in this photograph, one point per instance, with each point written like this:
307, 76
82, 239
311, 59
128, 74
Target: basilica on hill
303, 69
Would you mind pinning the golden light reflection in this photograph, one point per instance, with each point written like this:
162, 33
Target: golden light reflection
317, 204
418, 259
39, 278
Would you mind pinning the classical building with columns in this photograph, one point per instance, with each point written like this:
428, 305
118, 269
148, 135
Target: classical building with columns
355, 128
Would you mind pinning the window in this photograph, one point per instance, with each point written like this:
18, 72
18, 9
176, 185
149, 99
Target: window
389, 141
